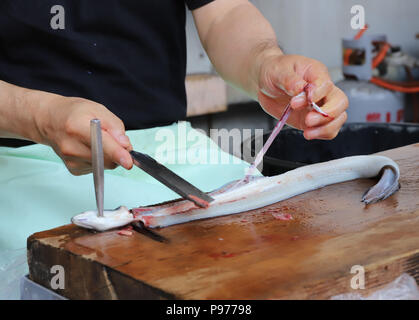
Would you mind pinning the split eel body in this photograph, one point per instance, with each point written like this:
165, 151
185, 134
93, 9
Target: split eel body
256, 193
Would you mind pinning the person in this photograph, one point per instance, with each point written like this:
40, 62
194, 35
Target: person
124, 62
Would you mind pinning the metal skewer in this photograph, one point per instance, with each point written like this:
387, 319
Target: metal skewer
97, 163
259, 156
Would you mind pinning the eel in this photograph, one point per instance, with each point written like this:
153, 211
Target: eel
257, 192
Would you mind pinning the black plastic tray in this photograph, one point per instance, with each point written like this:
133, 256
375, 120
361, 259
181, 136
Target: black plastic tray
290, 150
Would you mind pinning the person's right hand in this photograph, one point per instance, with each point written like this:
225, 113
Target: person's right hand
64, 124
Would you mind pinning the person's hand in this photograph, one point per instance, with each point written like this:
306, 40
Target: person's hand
64, 124
283, 77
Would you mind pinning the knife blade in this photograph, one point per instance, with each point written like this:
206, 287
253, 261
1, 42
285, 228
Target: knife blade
171, 179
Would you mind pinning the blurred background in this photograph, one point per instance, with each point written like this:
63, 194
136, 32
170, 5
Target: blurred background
316, 29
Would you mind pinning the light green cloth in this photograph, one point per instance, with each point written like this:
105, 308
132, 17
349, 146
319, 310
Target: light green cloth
38, 193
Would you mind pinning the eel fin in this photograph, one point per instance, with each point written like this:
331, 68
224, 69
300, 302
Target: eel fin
386, 186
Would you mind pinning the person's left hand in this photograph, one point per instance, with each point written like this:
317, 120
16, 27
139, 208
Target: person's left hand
283, 77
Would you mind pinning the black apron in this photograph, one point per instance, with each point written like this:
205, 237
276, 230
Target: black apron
129, 55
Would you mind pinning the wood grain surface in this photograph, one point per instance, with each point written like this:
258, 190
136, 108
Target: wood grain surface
251, 255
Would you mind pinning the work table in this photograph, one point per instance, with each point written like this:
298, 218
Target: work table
251, 255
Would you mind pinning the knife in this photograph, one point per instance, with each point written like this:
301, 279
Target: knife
171, 179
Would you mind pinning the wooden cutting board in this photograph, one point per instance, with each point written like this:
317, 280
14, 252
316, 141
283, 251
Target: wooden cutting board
251, 255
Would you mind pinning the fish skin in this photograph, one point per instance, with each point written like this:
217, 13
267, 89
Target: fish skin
386, 186
269, 190
263, 191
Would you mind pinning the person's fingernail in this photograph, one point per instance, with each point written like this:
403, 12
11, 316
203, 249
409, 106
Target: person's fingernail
280, 86
301, 94
298, 102
266, 93
299, 99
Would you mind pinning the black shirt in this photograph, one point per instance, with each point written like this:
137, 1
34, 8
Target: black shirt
129, 55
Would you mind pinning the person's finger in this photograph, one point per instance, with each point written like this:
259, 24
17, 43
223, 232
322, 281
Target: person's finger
78, 157
79, 127
74, 149
77, 167
281, 78
322, 88
328, 131
335, 104
273, 106
288, 81
115, 127
292, 84
79, 163
299, 101
320, 84
114, 152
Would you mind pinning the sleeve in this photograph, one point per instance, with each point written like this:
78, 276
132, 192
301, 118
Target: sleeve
195, 4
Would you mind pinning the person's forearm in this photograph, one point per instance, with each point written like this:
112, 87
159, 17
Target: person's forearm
237, 41
243, 48
18, 110
63, 123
